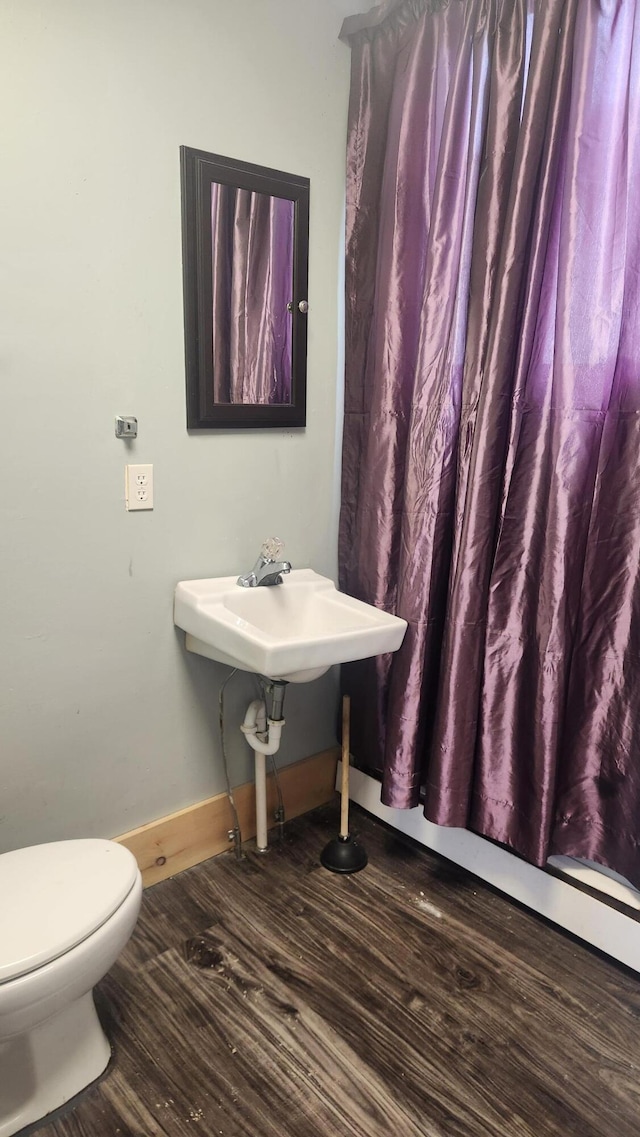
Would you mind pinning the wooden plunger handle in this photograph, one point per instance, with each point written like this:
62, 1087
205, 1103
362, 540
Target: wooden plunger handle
344, 787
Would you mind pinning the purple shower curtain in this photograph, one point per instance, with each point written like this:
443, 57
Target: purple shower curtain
491, 473
252, 283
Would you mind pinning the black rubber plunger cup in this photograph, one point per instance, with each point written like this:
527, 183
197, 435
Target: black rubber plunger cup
343, 854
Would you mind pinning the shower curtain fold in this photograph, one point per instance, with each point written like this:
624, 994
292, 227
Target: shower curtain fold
490, 460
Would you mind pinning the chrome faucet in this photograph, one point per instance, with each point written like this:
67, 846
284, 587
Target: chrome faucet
268, 570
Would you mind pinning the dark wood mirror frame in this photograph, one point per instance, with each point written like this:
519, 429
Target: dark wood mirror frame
199, 170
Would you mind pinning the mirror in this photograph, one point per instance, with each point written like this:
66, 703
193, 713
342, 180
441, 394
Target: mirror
245, 240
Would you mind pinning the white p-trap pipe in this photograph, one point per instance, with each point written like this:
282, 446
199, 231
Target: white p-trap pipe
263, 736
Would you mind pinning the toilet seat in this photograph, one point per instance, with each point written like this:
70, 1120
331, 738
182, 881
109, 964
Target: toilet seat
54, 896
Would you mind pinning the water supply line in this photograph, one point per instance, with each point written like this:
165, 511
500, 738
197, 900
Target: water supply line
263, 735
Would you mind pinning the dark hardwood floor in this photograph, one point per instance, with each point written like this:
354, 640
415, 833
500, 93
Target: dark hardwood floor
270, 998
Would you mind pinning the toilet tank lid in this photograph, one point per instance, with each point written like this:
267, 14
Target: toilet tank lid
53, 896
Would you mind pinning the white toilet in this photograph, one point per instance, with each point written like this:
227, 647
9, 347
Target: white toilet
67, 910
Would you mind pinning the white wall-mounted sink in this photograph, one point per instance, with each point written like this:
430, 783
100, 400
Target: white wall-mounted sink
295, 630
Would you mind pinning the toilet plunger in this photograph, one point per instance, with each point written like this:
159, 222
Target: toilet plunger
343, 854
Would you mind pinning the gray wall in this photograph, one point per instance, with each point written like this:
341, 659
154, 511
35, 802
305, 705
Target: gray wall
105, 721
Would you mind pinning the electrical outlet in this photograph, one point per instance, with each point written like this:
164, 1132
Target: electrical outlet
139, 487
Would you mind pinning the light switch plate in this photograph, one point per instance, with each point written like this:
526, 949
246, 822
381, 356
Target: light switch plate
139, 487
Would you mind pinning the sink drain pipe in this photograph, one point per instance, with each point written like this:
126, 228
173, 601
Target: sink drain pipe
263, 735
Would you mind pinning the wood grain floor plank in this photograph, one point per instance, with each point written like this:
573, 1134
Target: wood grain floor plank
465, 981
269, 998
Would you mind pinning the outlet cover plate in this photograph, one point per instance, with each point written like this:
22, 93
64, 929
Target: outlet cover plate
139, 487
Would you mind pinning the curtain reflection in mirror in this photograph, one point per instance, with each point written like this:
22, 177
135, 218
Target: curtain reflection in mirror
252, 258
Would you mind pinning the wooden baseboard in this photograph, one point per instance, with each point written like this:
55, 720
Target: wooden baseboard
165, 847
